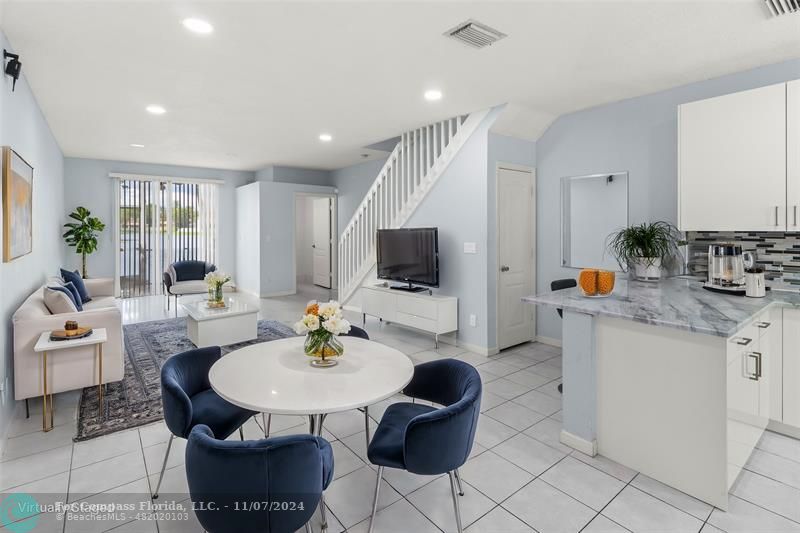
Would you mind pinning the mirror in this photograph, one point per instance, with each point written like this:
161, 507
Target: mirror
592, 207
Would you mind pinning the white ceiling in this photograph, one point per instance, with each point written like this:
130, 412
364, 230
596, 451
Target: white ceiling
273, 76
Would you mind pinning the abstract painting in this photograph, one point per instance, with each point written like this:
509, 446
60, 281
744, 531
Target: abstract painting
17, 206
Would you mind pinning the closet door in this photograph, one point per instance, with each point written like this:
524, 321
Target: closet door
732, 162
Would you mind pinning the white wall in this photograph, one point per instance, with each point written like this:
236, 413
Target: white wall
88, 185
25, 129
304, 235
638, 135
248, 239
353, 182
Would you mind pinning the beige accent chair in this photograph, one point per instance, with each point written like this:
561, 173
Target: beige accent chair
69, 369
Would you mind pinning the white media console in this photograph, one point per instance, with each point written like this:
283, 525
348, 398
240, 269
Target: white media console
421, 310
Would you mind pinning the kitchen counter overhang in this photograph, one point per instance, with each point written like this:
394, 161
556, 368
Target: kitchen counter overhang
673, 303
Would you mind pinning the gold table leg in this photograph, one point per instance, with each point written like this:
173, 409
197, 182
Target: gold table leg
100, 378
45, 427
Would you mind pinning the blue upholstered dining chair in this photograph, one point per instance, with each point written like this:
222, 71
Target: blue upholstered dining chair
356, 331
263, 486
188, 400
426, 440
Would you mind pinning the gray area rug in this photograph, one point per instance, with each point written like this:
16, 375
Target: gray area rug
136, 400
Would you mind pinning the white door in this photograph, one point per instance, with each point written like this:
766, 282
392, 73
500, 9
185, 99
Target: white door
321, 246
515, 256
732, 162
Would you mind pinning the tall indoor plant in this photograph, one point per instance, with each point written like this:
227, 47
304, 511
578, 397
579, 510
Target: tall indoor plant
644, 248
82, 235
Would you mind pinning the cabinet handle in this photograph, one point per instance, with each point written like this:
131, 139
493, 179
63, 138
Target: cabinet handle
757, 356
763, 325
795, 214
776, 215
743, 341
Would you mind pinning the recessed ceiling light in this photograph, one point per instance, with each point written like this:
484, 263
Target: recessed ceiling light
325, 137
198, 25
155, 109
433, 95
135, 145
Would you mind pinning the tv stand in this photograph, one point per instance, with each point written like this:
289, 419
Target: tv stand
408, 288
432, 313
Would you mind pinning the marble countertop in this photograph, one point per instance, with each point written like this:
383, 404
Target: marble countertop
675, 303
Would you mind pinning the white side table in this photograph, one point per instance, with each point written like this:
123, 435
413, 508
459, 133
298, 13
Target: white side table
45, 345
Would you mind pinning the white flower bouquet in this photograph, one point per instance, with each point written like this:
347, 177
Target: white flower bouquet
321, 324
215, 281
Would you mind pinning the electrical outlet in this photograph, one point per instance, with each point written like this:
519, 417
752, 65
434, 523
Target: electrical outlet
473, 320
470, 248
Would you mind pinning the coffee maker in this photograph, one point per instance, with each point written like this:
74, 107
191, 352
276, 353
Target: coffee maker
726, 264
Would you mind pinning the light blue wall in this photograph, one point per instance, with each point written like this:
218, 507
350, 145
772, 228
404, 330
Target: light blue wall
88, 184
308, 176
502, 149
457, 206
353, 182
638, 135
25, 129
277, 234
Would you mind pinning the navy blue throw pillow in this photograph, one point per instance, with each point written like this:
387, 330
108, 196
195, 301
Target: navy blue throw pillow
77, 280
76, 297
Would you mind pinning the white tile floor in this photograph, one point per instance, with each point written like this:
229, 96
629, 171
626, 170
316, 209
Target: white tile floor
518, 479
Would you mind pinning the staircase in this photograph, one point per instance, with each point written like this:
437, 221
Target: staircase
416, 163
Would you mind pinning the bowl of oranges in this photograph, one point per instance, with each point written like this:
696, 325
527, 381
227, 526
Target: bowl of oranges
595, 283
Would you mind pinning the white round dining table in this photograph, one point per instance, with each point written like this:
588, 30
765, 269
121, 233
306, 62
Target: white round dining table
275, 377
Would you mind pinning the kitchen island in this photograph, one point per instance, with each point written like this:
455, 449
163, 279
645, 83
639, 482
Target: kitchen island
675, 381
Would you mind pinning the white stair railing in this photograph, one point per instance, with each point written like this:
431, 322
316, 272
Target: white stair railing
413, 167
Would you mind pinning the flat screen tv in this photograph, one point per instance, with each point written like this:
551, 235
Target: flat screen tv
409, 255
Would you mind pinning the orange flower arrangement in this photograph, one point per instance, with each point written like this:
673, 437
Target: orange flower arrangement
312, 309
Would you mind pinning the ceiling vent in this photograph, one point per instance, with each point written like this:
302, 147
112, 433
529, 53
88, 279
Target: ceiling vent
475, 34
782, 7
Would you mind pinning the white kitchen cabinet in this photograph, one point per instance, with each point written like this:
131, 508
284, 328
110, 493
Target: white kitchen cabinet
732, 162
791, 368
793, 155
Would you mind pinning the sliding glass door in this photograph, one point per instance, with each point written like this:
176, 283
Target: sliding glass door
160, 221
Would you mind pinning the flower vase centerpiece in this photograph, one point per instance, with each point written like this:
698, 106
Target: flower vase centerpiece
215, 281
322, 324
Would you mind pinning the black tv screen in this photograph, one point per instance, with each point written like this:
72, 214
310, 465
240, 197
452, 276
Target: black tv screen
409, 254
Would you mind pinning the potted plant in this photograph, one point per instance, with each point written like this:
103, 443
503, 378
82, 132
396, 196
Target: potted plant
644, 248
82, 235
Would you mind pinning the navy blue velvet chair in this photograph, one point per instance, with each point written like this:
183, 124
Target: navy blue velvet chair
186, 277
188, 400
263, 486
426, 440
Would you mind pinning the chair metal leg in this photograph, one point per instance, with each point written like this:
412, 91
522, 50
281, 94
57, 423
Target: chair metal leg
375, 499
266, 420
241, 432
308, 527
27, 409
322, 512
458, 482
163, 466
366, 425
456, 506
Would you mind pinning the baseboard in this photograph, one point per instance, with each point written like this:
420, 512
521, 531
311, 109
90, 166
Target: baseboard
548, 340
589, 447
276, 294
784, 429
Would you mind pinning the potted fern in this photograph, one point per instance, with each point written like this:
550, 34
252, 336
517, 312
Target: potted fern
82, 234
644, 248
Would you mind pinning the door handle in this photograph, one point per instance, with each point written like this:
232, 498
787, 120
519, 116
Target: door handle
313, 245
504, 268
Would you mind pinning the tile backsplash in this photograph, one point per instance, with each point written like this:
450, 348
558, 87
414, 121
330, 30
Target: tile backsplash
776, 251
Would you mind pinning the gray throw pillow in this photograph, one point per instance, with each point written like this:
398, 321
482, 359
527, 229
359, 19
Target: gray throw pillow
58, 300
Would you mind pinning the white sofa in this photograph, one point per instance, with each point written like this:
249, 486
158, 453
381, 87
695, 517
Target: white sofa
70, 369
